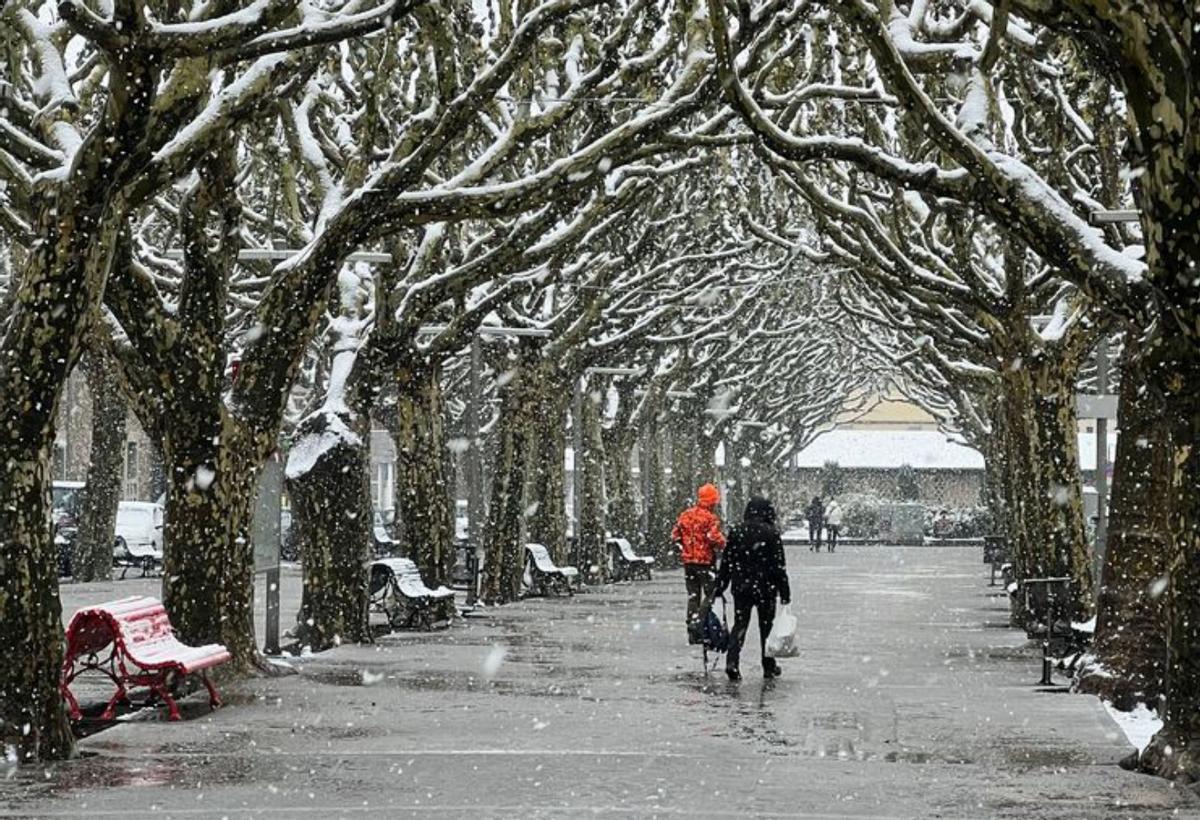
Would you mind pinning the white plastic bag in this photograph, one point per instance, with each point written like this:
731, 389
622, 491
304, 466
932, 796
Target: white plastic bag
783, 642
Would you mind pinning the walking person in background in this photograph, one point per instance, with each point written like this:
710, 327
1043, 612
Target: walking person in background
698, 534
816, 519
833, 523
755, 567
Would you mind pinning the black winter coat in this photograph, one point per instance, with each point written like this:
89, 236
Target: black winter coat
753, 562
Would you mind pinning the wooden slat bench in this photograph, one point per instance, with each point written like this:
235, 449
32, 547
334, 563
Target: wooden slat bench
628, 564
398, 591
544, 576
132, 643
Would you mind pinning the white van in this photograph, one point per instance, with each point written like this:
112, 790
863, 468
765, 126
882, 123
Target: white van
139, 539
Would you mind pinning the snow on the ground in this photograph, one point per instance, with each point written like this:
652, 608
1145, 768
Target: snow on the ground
1139, 725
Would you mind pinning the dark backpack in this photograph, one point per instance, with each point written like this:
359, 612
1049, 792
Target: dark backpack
715, 636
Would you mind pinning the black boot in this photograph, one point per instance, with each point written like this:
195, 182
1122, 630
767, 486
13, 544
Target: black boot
771, 668
733, 673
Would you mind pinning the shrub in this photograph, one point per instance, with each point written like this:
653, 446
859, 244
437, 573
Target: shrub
906, 483
833, 481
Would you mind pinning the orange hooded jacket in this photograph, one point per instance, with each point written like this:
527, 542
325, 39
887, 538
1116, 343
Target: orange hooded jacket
698, 530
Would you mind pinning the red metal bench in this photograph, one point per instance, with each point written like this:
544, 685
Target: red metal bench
131, 641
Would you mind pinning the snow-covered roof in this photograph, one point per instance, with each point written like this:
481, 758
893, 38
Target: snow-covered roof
923, 449
888, 449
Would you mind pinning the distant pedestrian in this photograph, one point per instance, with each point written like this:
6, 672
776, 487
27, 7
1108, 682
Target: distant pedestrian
816, 519
833, 523
698, 534
755, 567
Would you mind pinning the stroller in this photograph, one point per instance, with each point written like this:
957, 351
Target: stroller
714, 636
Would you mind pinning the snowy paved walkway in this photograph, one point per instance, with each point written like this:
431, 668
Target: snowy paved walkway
911, 700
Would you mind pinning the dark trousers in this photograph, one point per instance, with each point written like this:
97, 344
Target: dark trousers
814, 535
741, 625
699, 579
832, 530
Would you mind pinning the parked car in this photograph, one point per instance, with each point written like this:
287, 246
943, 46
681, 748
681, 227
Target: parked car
139, 535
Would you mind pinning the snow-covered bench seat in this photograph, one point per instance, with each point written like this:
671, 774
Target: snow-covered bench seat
131, 642
627, 563
544, 575
398, 591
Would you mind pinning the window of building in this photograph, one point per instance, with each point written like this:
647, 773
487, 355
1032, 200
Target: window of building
132, 488
383, 487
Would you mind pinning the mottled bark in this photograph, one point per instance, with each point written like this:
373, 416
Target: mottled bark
92, 557
622, 512
32, 718
1175, 751
208, 580
590, 463
735, 478
332, 508
1023, 497
422, 474
504, 550
684, 478
1063, 528
547, 471
1127, 662
660, 514
57, 290
1163, 101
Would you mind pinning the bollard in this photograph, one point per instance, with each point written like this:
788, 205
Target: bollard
1046, 681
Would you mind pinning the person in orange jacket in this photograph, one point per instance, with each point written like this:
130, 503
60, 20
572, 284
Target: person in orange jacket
698, 534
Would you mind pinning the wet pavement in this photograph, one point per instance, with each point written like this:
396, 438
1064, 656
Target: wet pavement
911, 699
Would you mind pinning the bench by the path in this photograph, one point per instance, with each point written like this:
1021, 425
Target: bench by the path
544, 575
131, 642
398, 591
627, 564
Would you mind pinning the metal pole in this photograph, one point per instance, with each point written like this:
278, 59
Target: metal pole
577, 465
474, 471
1101, 455
271, 642
644, 480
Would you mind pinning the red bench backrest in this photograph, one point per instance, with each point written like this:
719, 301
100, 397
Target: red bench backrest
139, 620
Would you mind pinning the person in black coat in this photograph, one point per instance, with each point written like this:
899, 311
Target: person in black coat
754, 566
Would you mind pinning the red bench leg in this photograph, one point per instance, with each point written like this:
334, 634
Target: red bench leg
72, 703
110, 709
214, 700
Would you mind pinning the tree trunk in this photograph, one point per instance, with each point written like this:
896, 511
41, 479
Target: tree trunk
1128, 658
93, 554
735, 489
33, 721
1024, 497
331, 504
1058, 456
504, 552
422, 475
1175, 750
590, 463
659, 517
208, 573
1168, 147
622, 509
547, 473
59, 287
